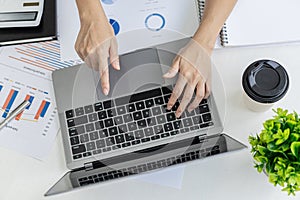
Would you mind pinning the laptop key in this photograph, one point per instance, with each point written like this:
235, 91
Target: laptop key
140, 105
118, 120
159, 101
119, 139
108, 123
149, 131
156, 111
161, 119
139, 134
86, 154
146, 113
99, 125
130, 108
90, 146
127, 118
89, 127
111, 112
75, 157
123, 128
102, 115
166, 98
84, 138
108, 104
177, 124
187, 122
110, 141
197, 120
204, 108
76, 130
204, 101
137, 115
167, 90
151, 121
88, 109
79, 111
149, 103
171, 117
175, 106
129, 136
132, 126
74, 140
141, 123
135, 142
70, 114
127, 144
145, 140
94, 135
93, 117
168, 127
121, 110
97, 151
206, 125
77, 121
98, 106
103, 133
206, 117
100, 143
78, 149
184, 130
155, 137
113, 131
158, 129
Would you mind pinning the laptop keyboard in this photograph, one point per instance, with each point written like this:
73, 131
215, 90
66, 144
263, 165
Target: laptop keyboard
130, 121
113, 174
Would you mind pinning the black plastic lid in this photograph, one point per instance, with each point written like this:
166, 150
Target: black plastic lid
265, 81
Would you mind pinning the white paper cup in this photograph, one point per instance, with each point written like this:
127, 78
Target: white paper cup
264, 82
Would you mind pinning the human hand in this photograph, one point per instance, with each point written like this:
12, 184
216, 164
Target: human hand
193, 64
96, 45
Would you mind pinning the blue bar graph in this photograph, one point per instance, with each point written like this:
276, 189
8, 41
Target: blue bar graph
11, 100
30, 100
1, 87
45, 109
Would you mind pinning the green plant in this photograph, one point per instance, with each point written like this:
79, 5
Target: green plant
276, 150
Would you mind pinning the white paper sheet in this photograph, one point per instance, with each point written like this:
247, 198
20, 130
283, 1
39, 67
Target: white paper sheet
138, 24
259, 22
26, 73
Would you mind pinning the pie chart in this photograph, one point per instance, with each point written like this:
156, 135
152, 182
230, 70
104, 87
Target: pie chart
115, 25
155, 22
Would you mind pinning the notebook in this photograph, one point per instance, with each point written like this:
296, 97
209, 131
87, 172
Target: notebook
264, 22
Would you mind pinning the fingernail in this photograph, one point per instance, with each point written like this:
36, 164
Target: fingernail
105, 91
118, 66
167, 74
178, 115
190, 110
169, 107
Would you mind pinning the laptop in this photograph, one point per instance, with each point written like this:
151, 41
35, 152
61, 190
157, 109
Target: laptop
130, 131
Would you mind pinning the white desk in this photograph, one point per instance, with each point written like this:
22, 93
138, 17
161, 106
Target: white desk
229, 176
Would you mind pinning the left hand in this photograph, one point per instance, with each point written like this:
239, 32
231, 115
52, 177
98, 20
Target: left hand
194, 66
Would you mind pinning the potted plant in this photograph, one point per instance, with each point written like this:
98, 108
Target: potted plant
276, 150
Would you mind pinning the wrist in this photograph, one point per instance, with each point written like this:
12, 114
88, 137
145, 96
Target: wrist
90, 10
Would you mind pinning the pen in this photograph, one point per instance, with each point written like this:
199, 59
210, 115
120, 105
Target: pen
14, 113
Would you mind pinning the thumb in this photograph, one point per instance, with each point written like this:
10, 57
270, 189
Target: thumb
174, 68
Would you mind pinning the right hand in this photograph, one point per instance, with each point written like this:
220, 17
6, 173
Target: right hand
96, 44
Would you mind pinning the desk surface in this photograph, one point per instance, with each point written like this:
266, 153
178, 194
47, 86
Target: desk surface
230, 176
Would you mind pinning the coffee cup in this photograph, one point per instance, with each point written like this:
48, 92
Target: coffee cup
264, 83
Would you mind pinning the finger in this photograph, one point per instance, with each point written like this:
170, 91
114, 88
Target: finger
104, 72
207, 90
188, 93
180, 84
200, 91
174, 69
113, 54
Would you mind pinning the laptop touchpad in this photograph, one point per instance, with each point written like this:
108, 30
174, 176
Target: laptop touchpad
140, 70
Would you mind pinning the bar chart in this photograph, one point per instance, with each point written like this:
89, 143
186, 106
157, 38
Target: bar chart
33, 130
39, 59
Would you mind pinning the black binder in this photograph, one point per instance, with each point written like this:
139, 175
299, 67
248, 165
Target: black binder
47, 30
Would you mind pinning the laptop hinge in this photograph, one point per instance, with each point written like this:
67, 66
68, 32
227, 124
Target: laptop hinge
88, 166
